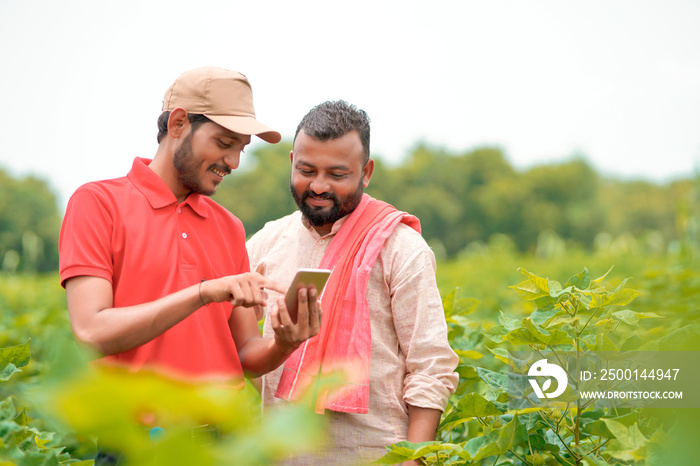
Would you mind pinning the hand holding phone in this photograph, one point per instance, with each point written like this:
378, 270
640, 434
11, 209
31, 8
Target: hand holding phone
304, 277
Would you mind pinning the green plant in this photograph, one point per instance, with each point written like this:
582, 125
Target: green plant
503, 425
22, 442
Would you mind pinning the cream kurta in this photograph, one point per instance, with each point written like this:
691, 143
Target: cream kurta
411, 360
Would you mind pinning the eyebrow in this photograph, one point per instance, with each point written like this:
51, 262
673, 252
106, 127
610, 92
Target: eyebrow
334, 167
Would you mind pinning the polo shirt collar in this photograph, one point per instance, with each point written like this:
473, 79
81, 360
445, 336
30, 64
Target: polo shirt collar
156, 191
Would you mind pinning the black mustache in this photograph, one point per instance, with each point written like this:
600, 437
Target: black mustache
329, 196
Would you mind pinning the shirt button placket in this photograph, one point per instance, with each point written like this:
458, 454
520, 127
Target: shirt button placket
183, 234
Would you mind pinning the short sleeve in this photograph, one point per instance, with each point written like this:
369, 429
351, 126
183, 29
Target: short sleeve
85, 239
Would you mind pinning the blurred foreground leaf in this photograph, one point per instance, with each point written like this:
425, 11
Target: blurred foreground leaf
119, 408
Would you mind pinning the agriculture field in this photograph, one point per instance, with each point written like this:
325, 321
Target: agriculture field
496, 300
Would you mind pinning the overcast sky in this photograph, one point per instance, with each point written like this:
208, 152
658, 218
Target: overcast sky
618, 81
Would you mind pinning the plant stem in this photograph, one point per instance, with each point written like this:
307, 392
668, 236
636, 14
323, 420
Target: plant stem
589, 320
546, 421
599, 447
517, 456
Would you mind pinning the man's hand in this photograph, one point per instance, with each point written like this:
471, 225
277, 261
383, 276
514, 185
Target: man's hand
261, 355
246, 289
289, 335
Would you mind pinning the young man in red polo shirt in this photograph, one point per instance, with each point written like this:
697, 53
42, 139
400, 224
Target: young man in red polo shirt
156, 273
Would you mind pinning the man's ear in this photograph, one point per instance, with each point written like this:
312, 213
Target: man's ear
177, 122
367, 171
291, 156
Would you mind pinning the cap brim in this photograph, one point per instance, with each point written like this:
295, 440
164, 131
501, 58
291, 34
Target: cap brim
246, 125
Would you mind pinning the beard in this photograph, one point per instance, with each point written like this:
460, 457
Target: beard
188, 168
320, 216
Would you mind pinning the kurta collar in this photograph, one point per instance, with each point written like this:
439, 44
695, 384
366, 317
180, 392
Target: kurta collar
334, 229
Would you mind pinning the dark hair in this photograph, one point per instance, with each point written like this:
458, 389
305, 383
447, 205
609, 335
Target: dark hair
332, 120
196, 120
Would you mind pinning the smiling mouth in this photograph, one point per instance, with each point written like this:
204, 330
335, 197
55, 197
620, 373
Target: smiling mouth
217, 172
319, 202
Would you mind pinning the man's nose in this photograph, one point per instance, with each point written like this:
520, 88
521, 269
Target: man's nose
232, 160
319, 185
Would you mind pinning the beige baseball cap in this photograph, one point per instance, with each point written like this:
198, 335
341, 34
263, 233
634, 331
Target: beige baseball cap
223, 96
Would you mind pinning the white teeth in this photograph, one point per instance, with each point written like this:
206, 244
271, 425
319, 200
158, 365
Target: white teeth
218, 172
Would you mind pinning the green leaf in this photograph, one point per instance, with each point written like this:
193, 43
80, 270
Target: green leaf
552, 439
505, 356
468, 354
8, 412
564, 319
480, 447
470, 406
632, 318
620, 297
581, 280
604, 343
585, 298
495, 333
8, 372
589, 340
509, 323
522, 336
13, 357
17, 355
557, 291
548, 337
454, 306
501, 354
528, 290
600, 427
632, 343
629, 441
43, 439
680, 339
600, 279
462, 321
623, 297
406, 451
496, 442
511, 434
495, 380
541, 283
448, 302
546, 309
541, 317
533, 288
21, 418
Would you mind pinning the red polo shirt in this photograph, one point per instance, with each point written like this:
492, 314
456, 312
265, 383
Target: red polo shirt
133, 232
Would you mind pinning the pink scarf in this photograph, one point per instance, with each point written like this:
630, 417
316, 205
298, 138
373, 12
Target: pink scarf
343, 346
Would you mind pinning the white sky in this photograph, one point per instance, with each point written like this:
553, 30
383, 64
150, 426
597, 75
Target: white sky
82, 81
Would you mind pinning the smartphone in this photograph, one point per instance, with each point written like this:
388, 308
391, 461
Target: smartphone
304, 277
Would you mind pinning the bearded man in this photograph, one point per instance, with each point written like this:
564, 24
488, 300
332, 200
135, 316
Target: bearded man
383, 334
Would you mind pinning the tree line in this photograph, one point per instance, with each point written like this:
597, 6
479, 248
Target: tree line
469, 196
29, 224
460, 198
